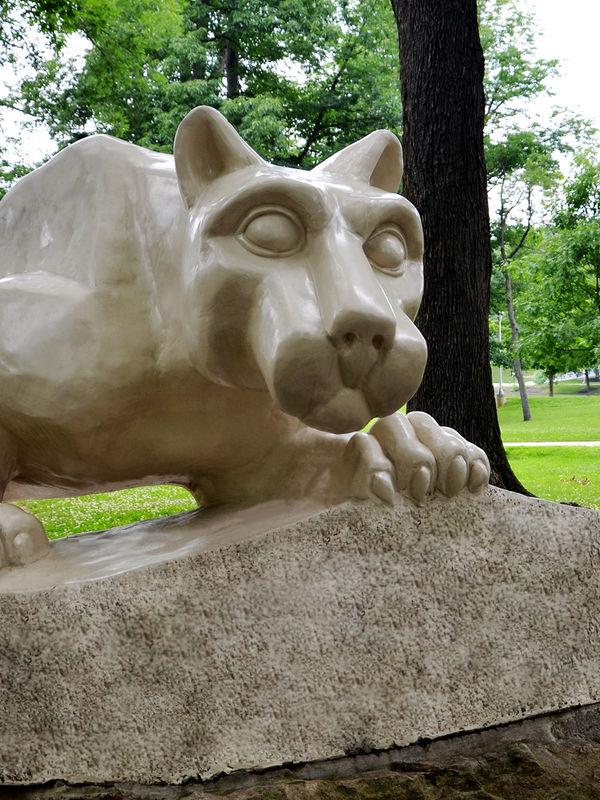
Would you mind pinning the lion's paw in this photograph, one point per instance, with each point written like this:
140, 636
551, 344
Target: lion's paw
22, 537
415, 455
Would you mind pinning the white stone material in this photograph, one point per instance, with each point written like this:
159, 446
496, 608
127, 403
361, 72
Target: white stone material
354, 628
218, 322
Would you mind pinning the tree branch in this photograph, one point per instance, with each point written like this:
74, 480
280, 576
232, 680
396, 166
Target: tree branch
318, 124
13, 107
521, 241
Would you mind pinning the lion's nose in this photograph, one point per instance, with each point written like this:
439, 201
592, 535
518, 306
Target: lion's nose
350, 338
360, 341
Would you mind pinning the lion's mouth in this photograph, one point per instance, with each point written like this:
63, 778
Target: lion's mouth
345, 411
306, 381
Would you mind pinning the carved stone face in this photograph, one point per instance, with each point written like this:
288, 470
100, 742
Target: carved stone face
302, 283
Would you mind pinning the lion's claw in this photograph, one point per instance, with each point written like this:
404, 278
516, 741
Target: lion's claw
420, 484
383, 486
415, 455
478, 477
456, 476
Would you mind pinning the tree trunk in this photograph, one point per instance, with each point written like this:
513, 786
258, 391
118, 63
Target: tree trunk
441, 67
551, 384
231, 65
586, 372
514, 338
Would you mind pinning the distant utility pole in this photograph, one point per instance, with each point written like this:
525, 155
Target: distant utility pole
500, 398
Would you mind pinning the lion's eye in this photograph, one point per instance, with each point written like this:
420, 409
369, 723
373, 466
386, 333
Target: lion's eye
386, 250
272, 233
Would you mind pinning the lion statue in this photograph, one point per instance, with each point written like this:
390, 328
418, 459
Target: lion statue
211, 320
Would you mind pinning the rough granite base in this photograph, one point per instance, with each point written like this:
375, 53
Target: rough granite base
551, 757
354, 629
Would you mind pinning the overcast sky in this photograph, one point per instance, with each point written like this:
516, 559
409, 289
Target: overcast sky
569, 31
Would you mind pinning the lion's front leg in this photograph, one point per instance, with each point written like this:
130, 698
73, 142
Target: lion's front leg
414, 455
22, 537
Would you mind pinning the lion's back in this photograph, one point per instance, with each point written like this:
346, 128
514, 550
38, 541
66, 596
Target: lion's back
75, 216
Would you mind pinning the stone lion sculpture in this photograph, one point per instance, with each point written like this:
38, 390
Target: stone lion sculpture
218, 322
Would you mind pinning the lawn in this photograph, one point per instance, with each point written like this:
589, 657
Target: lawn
94, 512
574, 386
562, 418
564, 474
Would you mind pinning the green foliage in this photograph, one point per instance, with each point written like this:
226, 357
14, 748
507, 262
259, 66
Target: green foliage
9, 174
500, 353
513, 73
581, 193
525, 156
299, 78
562, 301
27, 27
523, 171
53, 19
556, 272
553, 345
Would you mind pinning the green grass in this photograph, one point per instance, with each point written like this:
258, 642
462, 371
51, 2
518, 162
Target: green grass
93, 512
563, 474
554, 419
574, 386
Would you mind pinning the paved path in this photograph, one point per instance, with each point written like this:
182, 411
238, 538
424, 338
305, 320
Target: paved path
552, 444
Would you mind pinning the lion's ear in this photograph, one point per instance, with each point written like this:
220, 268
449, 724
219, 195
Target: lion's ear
375, 160
207, 147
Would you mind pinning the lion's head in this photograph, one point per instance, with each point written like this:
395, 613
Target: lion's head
302, 283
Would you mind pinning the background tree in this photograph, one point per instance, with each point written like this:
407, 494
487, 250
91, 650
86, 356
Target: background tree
520, 163
53, 19
26, 27
561, 301
442, 71
298, 78
521, 152
514, 75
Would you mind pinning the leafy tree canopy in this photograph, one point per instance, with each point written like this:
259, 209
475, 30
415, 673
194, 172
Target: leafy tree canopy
581, 201
560, 301
299, 78
51, 18
513, 73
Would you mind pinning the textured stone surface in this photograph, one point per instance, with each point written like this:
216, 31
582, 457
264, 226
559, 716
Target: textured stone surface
358, 628
552, 757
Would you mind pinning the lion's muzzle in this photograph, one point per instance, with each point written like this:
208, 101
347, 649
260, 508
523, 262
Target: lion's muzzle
368, 366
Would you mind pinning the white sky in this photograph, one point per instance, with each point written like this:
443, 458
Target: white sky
569, 31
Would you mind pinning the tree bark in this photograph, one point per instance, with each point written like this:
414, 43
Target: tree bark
551, 384
514, 339
441, 68
586, 372
231, 66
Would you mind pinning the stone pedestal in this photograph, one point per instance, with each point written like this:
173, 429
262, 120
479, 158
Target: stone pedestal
168, 652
